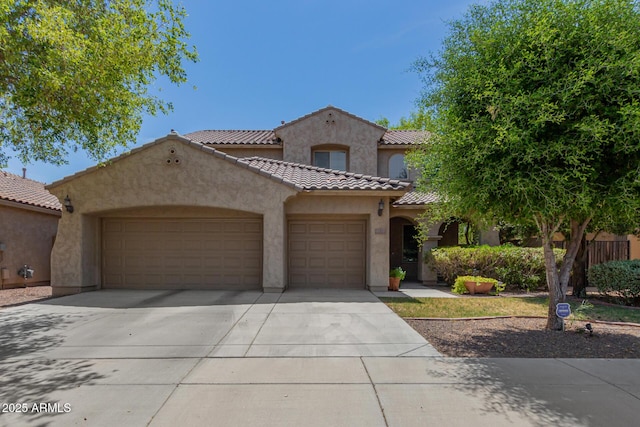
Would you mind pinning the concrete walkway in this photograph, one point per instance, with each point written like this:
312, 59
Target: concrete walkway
418, 290
306, 358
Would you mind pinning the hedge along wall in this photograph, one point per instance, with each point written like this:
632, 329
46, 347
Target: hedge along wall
515, 266
617, 279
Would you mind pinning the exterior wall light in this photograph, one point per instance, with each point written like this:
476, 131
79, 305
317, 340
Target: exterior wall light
67, 204
380, 207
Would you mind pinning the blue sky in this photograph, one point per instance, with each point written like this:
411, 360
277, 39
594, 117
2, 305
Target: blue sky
263, 62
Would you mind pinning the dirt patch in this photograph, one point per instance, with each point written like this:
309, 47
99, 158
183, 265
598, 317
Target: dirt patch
17, 296
528, 338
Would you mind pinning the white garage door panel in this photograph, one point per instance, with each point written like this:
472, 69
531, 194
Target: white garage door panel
182, 253
327, 253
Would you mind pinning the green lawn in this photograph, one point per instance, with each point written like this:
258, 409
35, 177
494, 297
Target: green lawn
502, 306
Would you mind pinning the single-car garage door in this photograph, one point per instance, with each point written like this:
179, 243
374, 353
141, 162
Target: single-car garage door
327, 253
182, 253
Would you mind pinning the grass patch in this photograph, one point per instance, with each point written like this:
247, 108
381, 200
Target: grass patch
447, 308
607, 313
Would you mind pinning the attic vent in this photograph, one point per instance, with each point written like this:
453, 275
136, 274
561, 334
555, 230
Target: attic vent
173, 161
330, 120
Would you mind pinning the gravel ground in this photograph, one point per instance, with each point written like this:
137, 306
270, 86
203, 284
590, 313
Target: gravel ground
527, 338
17, 296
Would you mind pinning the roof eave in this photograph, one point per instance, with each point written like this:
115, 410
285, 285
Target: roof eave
414, 206
351, 192
28, 207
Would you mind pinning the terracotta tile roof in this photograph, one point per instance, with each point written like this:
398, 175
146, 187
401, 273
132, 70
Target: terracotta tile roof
314, 178
404, 137
268, 137
298, 176
235, 137
14, 188
416, 198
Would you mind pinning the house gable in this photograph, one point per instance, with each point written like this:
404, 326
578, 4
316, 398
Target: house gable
332, 127
173, 171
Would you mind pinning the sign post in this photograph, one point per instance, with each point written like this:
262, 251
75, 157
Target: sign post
563, 310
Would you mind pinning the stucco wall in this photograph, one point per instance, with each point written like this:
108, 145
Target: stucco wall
336, 206
330, 126
152, 178
28, 236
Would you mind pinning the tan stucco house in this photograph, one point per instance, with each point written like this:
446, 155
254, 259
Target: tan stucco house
29, 217
322, 201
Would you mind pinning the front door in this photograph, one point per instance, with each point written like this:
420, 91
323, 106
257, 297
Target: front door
404, 250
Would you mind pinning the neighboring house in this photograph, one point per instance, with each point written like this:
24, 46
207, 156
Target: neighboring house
322, 201
29, 217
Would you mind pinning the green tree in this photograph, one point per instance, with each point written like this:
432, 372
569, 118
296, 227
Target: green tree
417, 120
75, 74
536, 119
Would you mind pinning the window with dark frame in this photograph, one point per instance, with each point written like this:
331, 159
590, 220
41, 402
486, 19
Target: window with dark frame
330, 159
397, 167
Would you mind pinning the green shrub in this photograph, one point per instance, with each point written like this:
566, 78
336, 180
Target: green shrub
460, 288
617, 279
517, 267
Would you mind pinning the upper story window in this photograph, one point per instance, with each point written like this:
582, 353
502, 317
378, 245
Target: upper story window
330, 158
397, 167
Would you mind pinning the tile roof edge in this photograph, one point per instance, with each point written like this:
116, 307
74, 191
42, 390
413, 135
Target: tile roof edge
6, 173
29, 206
332, 171
186, 135
243, 161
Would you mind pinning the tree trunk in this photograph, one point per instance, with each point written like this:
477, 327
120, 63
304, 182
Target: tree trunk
558, 281
578, 274
573, 245
553, 282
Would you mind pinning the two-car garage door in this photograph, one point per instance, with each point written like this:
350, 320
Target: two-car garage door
223, 253
327, 253
226, 253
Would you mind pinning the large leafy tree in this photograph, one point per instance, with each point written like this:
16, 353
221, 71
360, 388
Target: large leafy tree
417, 120
536, 112
75, 74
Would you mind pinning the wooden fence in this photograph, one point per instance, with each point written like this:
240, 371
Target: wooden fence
603, 251
600, 251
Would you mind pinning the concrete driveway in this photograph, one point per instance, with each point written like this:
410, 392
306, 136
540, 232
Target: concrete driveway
194, 324
324, 358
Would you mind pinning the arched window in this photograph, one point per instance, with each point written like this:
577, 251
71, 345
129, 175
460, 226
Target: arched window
397, 167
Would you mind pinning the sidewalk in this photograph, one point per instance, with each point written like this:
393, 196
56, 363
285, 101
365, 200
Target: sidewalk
330, 391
